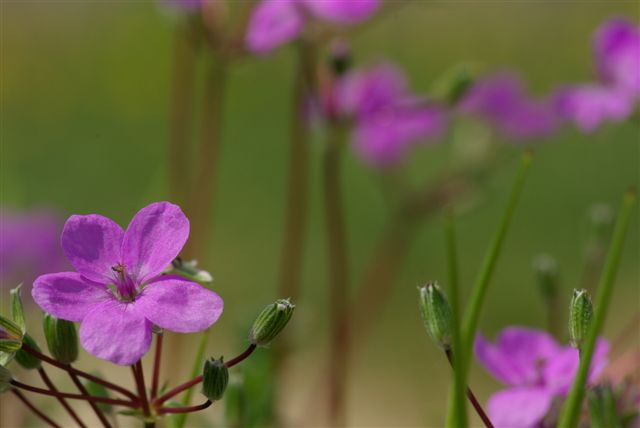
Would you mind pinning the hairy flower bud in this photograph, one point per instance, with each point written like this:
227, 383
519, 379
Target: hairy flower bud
580, 314
545, 268
24, 358
270, 322
62, 339
5, 379
436, 314
215, 378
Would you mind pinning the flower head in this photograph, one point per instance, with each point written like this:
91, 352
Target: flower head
502, 100
275, 22
117, 292
535, 368
388, 119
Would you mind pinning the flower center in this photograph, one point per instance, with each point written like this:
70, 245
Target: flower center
125, 287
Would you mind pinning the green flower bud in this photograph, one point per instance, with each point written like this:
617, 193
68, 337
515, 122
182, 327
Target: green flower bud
215, 378
9, 329
545, 268
453, 85
5, 379
580, 314
62, 339
270, 322
24, 358
17, 311
436, 314
189, 269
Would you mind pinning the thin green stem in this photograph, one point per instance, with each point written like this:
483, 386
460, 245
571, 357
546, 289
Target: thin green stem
571, 411
63, 402
479, 292
338, 276
459, 411
196, 368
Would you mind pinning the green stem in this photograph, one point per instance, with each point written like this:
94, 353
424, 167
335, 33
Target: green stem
472, 314
571, 411
338, 276
196, 369
458, 414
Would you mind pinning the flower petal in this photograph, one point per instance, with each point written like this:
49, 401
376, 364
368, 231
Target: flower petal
153, 239
179, 305
616, 48
116, 332
92, 243
344, 11
273, 23
68, 295
518, 407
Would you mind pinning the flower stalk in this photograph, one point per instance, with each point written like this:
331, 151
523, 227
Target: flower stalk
34, 409
47, 381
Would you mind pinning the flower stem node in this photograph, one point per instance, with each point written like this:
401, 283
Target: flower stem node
215, 378
271, 322
580, 314
436, 314
62, 339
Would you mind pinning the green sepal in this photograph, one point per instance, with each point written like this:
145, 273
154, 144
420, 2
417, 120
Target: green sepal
13, 330
10, 346
5, 379
17, 310
24, 358
61, 337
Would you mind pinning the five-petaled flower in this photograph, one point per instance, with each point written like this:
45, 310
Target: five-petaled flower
117, 292
536, 370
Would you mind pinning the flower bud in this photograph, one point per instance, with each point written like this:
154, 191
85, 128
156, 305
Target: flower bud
215, 378
270, 322
9, 329
189, 269
24, 358
340, 57
436, 314
545, 268
454, 84
580, 313
5, 379
62, 339
17, 310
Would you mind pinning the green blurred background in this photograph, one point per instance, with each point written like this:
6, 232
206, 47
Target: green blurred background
85, 91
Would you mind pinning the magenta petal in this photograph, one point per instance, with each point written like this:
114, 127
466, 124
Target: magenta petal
153, 239
273, 23
179, 305
67, 295
92, 243
116, 332
617, 53
518, 407
342, 11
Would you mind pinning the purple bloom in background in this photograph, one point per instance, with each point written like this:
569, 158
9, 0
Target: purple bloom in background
29, 245
502, 100
535, 368
275, 22
388, 119
613, 98
117, 292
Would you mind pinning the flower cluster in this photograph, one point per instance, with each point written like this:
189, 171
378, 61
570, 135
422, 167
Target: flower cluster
536, 370
117, 292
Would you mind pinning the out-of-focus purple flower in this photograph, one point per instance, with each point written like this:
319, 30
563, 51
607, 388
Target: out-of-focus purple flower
502, 100
117, 292
388, 119
275, 22
535, 368
616, 49
29, 245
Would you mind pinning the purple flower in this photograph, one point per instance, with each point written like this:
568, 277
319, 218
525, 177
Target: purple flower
616, 49
535, 368
117, 293
29, 246
502, 100
388, 119
275, 22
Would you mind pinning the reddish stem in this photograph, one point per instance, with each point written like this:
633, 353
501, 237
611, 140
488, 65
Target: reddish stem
105, 400
33, 408
178, 389
103, 419
63, 402
190, 409
138, 375
80, 373
156, 367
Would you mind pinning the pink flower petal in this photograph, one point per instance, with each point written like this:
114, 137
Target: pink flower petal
68, 295
92, 243
342, 11
518, 407
179, 305
116, 332
153, 239
273, 23
616, 48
